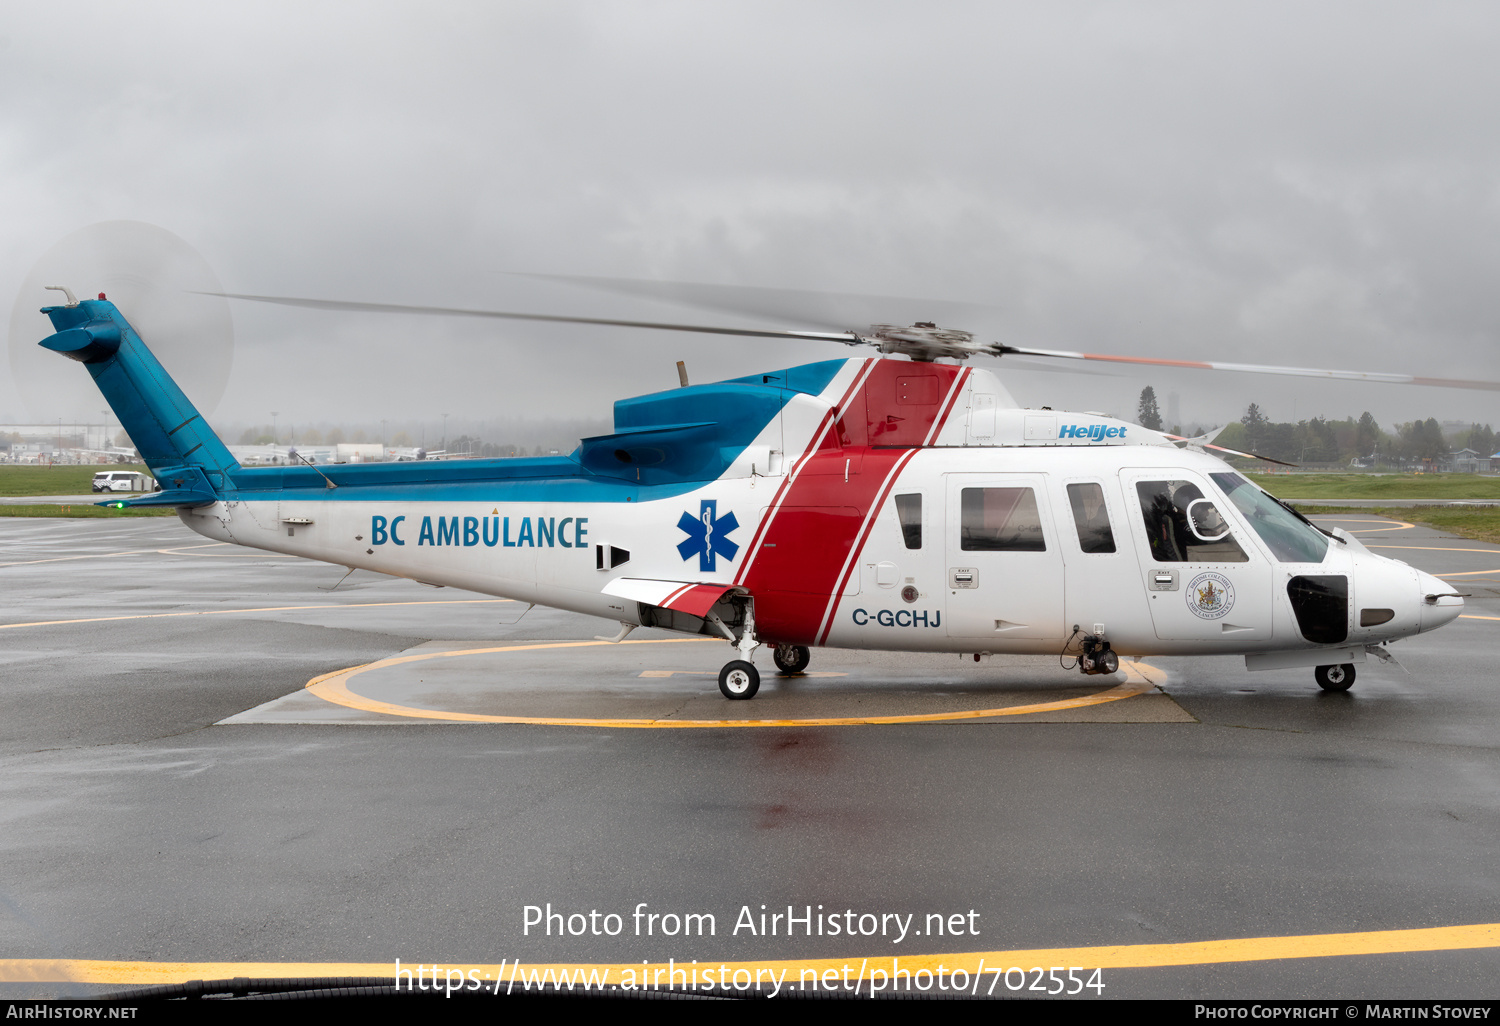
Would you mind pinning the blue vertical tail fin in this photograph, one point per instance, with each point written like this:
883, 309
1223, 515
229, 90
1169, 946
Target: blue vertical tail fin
189, 460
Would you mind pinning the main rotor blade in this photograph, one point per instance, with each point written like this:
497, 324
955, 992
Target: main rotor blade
1256, 368
846, 337
816, 309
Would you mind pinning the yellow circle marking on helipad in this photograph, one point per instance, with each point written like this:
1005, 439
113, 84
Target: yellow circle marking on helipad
1389, 524
334, 687
1401, 526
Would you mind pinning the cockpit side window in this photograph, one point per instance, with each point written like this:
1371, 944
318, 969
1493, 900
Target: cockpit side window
1184, 526
1091, 518
1290, 539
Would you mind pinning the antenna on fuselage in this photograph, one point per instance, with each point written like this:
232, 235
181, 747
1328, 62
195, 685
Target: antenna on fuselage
682, 373
326, 482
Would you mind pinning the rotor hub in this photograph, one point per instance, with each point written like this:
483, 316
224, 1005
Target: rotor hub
924, 341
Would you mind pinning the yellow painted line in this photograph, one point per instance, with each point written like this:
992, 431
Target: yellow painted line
1120, 956
715, 673
1448, 548
1356, 520
258, 609
1398, 525
334, 687
1470, 616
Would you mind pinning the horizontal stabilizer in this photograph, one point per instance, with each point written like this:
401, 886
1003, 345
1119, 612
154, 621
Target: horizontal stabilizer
183, 486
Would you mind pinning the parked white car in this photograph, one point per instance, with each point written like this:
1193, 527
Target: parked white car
123, 481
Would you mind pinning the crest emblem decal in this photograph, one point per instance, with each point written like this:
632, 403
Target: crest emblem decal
1209, 595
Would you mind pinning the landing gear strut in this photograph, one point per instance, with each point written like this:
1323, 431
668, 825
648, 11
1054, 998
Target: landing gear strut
1335, 678
792, 659
739, 679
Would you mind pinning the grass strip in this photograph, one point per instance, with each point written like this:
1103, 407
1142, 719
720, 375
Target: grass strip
1379, 486
80, 512
56, 480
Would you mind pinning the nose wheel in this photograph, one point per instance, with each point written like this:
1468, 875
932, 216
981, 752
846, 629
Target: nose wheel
1335, 678
739, 679
791, 659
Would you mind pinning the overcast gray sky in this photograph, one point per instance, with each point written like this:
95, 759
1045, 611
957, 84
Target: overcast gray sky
1314, 184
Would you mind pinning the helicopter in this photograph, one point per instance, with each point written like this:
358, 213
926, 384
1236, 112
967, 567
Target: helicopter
893, 502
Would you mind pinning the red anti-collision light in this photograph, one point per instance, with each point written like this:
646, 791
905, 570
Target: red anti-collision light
101, 295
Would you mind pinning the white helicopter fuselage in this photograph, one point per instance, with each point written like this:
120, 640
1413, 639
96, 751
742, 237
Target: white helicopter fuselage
998, 530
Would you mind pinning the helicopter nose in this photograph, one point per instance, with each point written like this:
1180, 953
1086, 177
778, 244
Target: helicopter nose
1439, 603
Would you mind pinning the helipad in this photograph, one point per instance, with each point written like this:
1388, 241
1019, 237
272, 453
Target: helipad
670, 683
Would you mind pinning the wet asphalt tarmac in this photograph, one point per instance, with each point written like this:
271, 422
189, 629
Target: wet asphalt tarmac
133, 826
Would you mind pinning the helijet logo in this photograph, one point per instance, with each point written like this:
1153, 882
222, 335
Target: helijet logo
1093, 432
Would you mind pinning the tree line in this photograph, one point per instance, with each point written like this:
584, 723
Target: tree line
1319, 440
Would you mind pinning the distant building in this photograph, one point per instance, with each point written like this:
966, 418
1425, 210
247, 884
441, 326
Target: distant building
66, 434
1464, 461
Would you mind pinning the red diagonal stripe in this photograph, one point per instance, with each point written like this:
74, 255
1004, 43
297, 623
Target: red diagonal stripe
852, 561
802, 559
825, 425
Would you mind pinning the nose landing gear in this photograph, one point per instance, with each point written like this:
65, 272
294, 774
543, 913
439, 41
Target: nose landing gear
739, 679
1335, 678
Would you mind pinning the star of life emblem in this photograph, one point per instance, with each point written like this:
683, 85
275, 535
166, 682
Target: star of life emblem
706, 535
1210, 595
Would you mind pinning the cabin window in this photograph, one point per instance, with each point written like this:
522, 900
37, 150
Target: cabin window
1184, 526
909, 512
1091, 517
1000, 520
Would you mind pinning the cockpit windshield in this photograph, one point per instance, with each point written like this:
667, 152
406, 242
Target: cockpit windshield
1290, 539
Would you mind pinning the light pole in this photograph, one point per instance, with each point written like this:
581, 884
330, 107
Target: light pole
273, 426
444, 444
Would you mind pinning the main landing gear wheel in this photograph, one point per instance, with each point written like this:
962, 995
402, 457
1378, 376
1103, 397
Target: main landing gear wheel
1335, 678
792, 659
739, 679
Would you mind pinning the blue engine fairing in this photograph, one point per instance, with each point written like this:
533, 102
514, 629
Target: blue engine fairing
664, 444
